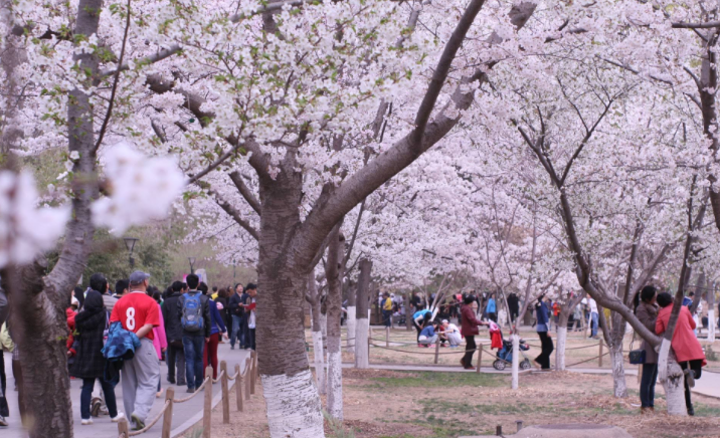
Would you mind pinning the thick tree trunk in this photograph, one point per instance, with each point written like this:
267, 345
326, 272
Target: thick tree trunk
317, 338
334, 311
408, 311
560, 348
618, 370
362, 351
293, 403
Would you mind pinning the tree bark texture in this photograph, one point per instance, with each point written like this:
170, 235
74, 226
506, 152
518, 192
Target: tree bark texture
317, 337
561, 344
293, 403
362, 351
673, 380
516, 360
334, 305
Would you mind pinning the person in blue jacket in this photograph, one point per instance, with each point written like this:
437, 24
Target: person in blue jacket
428, 336
217, 330
491, 308
420, 319
543, 320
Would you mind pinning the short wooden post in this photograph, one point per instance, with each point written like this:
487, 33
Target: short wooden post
225, 396
247, 378
387, 337
253, 372
601, 354
123, 428
479, 362
437, 351
167, 416
207, 409
257, 367
238, 388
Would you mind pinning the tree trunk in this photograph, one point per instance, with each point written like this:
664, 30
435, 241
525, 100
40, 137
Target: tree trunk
408, 311
362, 351
712, 321
618, 370
293, 403
560, 349
351, 318
673, 380
317, 338
334, 311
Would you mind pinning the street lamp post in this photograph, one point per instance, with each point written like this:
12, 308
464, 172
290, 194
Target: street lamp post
192, 264
130, 245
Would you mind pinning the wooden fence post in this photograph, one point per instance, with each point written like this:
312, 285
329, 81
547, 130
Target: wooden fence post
437, 351
257, 367
123, 428
225, 396
248, 370
238, 388
207, 410
167, 416
253, 372
387, 337
479, 362
601, 354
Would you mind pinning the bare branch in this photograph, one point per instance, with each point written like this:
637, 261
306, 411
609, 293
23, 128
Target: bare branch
245, 191
684, 25
233, 213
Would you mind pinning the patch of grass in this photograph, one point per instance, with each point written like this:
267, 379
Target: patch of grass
444, 380
702, 410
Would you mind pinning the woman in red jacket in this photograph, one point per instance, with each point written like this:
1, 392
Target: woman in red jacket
469, 329
687, 348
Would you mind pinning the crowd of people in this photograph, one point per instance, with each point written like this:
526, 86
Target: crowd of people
121, 336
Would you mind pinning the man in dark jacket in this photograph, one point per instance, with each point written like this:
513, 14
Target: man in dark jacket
173, 331
514, 305
194, 317
237, 313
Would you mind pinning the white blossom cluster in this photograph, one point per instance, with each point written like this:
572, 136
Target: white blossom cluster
25, 228
140, 188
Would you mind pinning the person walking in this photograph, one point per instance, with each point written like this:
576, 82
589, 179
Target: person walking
217, 330
138, 313
646, 310
491, 308
222, 302
237, 312
594, 318
687, 348
543, 329
251, 317
514, 306
469, 328
175, 358
194, 313
89, 364
387, 308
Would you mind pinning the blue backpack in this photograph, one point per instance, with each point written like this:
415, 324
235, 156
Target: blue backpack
192, 319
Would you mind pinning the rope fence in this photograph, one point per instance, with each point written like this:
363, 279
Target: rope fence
244, 382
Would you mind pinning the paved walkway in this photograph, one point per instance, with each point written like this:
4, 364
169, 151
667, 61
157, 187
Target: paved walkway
185, 415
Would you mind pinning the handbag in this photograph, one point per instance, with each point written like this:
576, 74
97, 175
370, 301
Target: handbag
637, 357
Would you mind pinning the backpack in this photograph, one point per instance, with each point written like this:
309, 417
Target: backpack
192, 320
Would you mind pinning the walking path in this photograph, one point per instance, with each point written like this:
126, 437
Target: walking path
185, 415
708, 384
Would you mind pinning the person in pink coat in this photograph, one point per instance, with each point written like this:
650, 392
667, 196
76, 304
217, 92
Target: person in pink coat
160, 342
687, 348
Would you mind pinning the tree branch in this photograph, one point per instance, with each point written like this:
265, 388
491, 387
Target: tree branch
685, 25
233, 213
245, 191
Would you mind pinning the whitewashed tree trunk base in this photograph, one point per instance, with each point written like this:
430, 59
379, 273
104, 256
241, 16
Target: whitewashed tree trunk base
618, 371
515, 361
319, 360
362, 354
711, 325
560, 351
334, 396
351, 323
293, 406
323, 327
671, 376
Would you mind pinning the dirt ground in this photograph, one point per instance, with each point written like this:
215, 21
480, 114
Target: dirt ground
388, 404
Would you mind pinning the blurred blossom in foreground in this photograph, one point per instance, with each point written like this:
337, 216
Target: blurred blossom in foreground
140, 188
25, 229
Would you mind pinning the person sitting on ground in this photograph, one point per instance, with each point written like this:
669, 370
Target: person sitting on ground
428, 336
451, 333
687, 348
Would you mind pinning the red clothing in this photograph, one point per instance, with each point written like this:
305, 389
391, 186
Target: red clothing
469, 322
134, 310
70, 314
211, 348
684, 343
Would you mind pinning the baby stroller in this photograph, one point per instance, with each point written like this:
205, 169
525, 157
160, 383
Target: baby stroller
505, 356
505, 349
